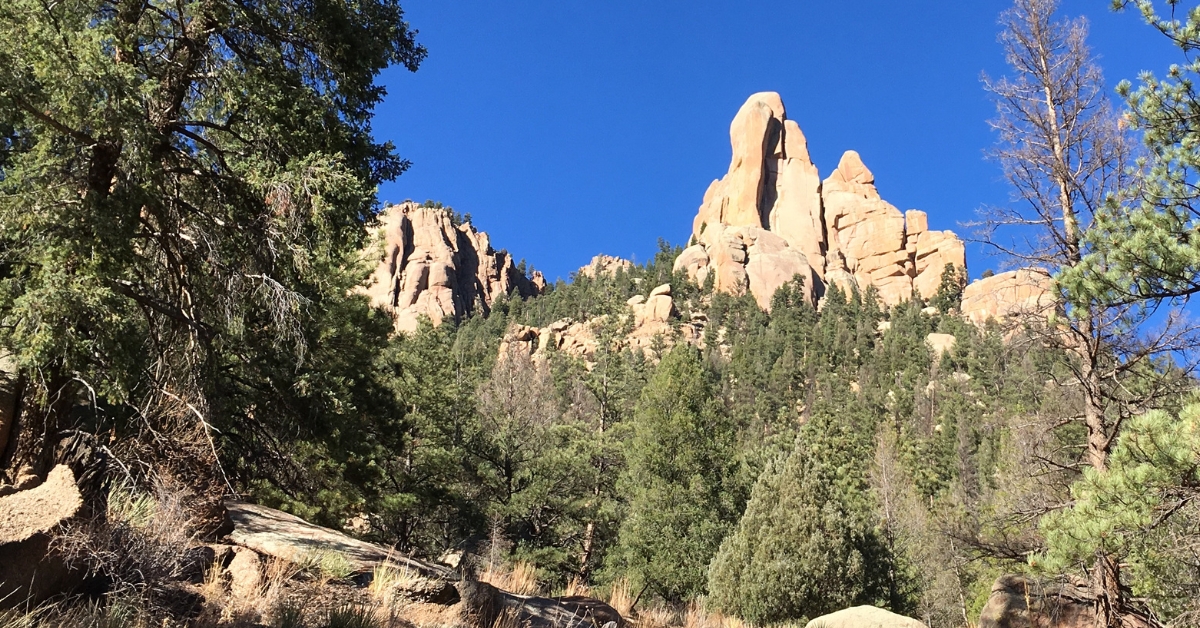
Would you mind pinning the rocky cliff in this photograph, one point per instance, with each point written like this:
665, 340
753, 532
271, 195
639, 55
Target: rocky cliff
434, 265
772, 217
769, 219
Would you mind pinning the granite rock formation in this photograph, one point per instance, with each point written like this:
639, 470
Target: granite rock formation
604, 265
1007, 295
433, 265
1022, 602
652, 319
772, 218
32, 568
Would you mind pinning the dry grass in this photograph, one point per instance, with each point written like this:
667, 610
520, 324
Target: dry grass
422, 615
621, 596
386, 583
118, 611
519, 578
656, 616
696, 616
222, 607
577, 587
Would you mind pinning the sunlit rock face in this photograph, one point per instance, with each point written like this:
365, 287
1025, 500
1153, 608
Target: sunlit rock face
432, 266
771, 217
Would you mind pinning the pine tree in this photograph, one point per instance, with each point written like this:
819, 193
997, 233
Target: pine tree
807, 543
183, 196
680, 481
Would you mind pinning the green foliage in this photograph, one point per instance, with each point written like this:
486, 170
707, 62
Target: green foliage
1143, 247
807, 543
950, 290
680, 483
1121, 512
184, 191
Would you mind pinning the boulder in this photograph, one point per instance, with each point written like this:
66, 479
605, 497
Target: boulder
31, 570
245, 573
275, 533
485, 606
940, 343
657, 309
1022, 602
693, 261
773, 263
434, 266
1009, 295
864, 617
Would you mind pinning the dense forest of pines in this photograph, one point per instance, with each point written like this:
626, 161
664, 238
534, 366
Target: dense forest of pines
186, 192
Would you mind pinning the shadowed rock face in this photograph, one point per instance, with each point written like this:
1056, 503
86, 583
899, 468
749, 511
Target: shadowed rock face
837, 231
432, 267
1021, 602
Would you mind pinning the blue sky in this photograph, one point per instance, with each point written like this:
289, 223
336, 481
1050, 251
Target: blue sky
569, 129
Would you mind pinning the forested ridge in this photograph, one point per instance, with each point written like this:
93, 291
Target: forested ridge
188, 193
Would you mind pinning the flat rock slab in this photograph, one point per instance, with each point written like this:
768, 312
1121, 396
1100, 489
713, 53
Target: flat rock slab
281, 535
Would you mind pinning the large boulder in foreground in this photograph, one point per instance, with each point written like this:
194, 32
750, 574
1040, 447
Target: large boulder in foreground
485, 606
864, 617
30, 571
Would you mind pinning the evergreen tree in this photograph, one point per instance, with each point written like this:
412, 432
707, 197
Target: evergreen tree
1143, 248
680, 482
184, 191
807, 543
1126, 512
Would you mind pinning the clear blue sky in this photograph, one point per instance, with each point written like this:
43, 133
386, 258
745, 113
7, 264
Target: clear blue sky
569, 129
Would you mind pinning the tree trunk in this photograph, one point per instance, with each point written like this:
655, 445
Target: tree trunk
1106, 586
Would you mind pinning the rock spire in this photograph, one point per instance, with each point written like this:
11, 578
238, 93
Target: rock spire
772, 217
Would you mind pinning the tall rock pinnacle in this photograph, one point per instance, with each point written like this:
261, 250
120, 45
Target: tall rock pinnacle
771, 218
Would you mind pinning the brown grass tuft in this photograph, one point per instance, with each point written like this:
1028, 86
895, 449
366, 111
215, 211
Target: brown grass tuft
519, 578
620, 596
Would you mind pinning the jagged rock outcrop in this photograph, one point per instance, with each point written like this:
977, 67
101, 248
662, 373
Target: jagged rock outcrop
1007, 295
604, 265
771, 218
433, 266
651, 318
